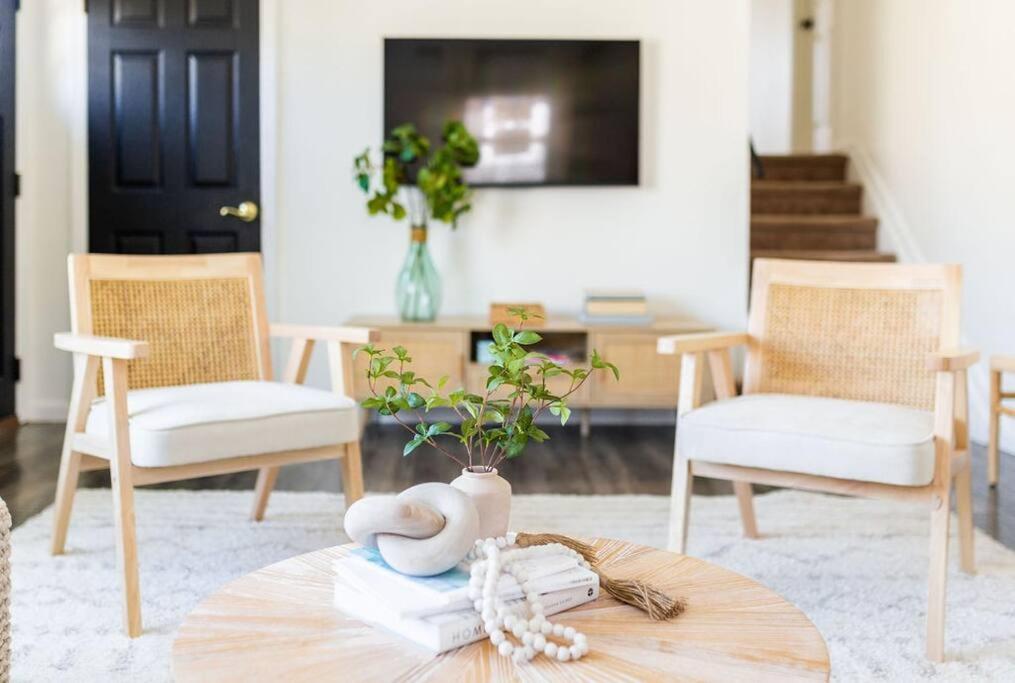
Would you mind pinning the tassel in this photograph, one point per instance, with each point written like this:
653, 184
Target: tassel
652, 601
524, 540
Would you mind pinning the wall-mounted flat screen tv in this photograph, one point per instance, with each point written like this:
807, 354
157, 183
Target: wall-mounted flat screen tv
545, 112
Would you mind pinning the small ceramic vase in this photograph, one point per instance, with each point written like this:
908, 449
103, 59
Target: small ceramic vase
491, 495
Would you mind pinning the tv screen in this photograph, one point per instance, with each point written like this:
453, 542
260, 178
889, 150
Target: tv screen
545, 112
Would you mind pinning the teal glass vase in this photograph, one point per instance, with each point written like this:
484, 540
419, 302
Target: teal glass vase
418, 292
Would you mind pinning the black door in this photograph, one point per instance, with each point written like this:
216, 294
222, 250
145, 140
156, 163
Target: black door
173, 126
8, 191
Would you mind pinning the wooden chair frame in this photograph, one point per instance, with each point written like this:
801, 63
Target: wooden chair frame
951, 434
83, 452
999, 365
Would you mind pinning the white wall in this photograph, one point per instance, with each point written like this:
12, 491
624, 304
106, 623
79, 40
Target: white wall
925, 100
50, 158
681, 236
771, 76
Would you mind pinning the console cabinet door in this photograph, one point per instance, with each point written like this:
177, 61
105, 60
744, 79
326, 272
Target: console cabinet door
434, 354
647, 378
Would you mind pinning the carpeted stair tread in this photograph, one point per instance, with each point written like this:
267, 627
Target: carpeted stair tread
778, 197
813, 231
866, 255
804, 166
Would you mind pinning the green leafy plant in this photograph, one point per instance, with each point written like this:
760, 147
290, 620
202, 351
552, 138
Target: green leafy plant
417, 181
495, 425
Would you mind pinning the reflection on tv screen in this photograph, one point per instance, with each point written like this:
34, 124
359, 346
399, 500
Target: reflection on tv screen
543, 112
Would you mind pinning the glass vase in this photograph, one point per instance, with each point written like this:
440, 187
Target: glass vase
418, 292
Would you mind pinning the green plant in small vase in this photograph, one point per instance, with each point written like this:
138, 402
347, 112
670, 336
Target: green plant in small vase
495, 426
420, 183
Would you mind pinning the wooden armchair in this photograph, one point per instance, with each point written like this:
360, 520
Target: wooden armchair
851, 386
999, 365
176, 350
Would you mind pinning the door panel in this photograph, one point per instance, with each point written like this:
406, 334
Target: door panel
137, 119
211, 13
8, 371
173, 125
211, 118
137, 13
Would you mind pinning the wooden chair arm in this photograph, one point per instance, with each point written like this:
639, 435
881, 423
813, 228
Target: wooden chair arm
1002, 363
706, 341
102, 347
952, 360
348, 335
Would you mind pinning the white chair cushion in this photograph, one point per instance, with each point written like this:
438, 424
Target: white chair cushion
204, 422
875, 442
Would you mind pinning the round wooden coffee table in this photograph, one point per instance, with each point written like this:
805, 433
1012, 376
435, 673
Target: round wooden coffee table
279, 623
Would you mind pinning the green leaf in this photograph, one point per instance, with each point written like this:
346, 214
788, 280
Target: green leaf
413, 445
526, 337
436, 401
516, 445
537, 434
613, 368
438, 428
415, 400
501, 334
560, 409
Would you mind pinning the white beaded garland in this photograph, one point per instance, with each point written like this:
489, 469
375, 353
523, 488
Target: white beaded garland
493, 559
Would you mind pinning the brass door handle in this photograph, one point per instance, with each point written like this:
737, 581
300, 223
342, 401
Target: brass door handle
246, 211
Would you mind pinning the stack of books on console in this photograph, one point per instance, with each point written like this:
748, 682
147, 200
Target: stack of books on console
615, 307
435, 612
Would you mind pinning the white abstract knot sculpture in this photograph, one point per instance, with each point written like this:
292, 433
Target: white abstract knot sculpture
424, 530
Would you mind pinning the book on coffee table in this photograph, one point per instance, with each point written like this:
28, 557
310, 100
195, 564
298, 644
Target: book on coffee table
420, 596
449, 630
436, 611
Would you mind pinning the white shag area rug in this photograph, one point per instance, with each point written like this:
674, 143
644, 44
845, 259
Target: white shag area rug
857, 568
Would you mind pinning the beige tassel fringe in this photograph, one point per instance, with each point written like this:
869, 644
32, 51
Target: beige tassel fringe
652, 601
524, 540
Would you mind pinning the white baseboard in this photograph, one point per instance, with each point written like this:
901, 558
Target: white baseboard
42, 410
899, 236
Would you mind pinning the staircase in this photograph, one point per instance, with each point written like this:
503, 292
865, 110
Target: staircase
802, 207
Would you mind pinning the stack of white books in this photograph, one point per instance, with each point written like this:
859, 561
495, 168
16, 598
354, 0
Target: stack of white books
435, 612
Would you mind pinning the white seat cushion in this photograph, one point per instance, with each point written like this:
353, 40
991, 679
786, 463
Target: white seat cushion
875, 442
204, 422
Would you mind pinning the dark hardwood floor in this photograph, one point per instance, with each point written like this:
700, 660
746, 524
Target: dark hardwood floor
616, 459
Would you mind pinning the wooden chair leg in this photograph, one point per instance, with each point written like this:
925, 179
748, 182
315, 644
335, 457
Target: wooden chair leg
85, 370
938, 576
680, 504
745, 499
115, 373
66, 486
352, 473
266, 477
964, 508
994, 431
